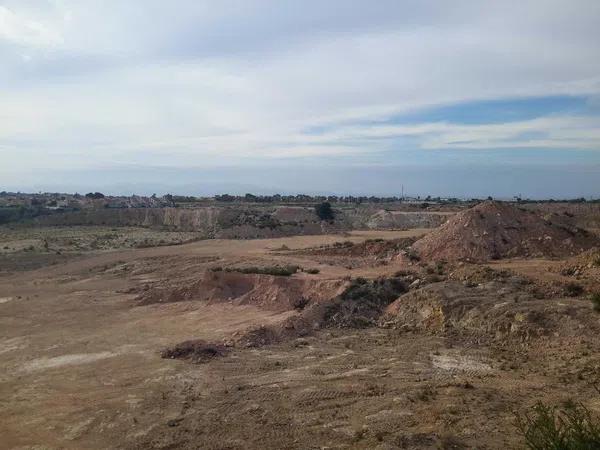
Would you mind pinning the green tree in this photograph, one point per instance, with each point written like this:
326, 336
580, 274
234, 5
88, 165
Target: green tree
324, 211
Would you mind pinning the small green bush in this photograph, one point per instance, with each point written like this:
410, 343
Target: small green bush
595, 299
312, 271
550, 428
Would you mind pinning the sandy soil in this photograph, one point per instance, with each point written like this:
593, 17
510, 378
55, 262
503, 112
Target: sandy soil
81, 366
78, 356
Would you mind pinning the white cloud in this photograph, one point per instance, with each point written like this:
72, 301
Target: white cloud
24, 31
232, 80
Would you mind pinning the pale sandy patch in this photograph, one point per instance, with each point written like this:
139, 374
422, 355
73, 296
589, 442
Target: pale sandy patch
12, 344
459, 363
64, 360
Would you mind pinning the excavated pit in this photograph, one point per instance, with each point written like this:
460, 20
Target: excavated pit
274, 293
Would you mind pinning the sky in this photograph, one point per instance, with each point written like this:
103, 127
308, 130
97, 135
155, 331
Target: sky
452, 98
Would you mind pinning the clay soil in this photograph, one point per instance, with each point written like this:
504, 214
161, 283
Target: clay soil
86, 361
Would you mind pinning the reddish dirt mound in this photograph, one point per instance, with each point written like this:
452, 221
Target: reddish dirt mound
493, 230
275, 293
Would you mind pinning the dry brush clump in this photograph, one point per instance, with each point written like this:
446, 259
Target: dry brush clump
595, 299
573, 289
196, 351
572, 427
363, 301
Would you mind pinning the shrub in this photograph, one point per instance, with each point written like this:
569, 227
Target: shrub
324, 211
595, 299
426, 393
439, 267
573, 289
570, 428
344, 244
312, 271
94, 195
197, 350
412, 255
300, 303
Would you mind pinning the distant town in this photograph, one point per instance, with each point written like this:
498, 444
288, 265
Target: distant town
97, 200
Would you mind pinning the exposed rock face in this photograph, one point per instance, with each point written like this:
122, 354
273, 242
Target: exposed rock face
493, 230
270, 292
181, 219
211, 222
245, 222
406, 219
494, 310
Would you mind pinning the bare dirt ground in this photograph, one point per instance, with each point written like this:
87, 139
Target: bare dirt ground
78, 356
81, 365
26, 248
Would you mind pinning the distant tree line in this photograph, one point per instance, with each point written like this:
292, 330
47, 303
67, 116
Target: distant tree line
175, 200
